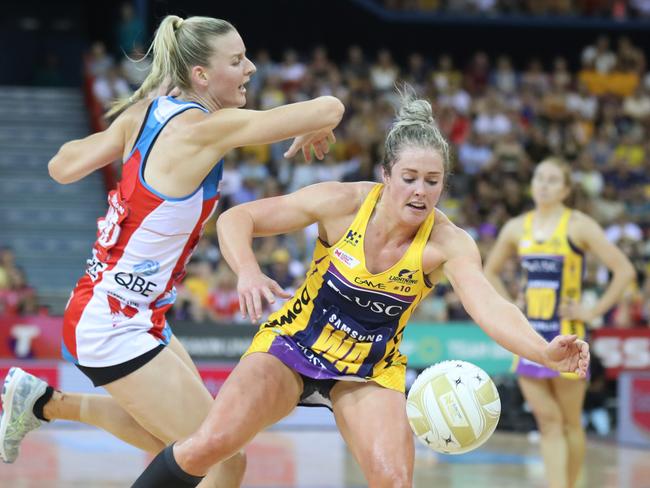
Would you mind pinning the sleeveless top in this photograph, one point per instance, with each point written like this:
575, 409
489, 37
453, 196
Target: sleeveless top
345, 322
143, 244
553, 274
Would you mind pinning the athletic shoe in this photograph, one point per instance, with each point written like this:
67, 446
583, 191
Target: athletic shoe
19, 393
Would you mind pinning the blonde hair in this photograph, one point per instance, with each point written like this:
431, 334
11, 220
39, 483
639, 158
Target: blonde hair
178, 45
414, 127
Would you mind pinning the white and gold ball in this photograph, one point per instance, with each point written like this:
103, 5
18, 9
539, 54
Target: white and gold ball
453, 407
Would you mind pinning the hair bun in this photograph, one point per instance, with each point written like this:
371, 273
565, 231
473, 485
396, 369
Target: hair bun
416, 111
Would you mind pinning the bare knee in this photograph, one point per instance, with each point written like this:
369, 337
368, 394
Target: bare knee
382, 475
205, 449
549, 423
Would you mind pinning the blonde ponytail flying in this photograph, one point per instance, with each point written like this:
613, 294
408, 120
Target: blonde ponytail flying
178, 45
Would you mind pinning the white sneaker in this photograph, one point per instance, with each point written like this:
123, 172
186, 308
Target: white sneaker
19, 393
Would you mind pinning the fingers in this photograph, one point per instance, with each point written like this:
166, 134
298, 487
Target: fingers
279, 291
249, 308
291, 152
268, 295
242, 305
306, 152
318, 151
566, 340
257, 306
331, 137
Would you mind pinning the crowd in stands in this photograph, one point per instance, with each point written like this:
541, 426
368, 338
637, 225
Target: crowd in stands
500, 119
617, 9
16, 296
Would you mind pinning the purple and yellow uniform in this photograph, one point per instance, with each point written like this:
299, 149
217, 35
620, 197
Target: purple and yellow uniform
553, 272
345, 323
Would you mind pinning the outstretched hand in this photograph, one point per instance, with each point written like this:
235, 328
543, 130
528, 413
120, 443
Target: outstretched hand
252, 288
568, 354
320, 141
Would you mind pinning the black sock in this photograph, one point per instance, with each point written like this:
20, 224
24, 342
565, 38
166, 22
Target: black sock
164, 472
39, 405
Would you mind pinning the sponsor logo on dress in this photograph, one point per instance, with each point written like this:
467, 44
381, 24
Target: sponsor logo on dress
353, 237
367, 303
405, 276
147, 267
135, 283
94, 267
120, 311
345, 258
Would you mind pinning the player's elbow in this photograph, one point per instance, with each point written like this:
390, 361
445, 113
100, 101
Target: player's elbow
57, 168
627, 272
228, 221
333, 110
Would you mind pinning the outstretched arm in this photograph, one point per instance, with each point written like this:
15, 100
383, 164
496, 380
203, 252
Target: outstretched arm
271, 216
229, 128
502, 320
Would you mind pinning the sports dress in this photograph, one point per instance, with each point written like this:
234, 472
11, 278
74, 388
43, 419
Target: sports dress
553, 274
117, 310
345, 323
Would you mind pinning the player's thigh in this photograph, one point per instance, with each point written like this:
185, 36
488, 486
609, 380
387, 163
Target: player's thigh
373, 422
260, 391
570, 396
177, 348
541, 399
165, 396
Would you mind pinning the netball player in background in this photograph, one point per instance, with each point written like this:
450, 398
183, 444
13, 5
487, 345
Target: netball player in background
381, 249
550, 242
114, 326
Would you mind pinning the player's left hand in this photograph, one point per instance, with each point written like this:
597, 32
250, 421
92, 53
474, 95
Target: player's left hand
568, 354
572, 310
319, 141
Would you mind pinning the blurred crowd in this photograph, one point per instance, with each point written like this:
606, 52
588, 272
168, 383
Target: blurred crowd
501, 120
618, 9
16, 296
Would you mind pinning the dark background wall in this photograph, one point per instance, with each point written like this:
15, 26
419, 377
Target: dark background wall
29, 30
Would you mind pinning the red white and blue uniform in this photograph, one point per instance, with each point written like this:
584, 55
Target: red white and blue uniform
117, 310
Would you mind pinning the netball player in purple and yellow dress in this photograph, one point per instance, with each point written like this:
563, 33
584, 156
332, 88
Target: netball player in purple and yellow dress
551, 241
381, 249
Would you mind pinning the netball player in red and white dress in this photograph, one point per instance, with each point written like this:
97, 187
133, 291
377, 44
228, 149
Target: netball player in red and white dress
115, 329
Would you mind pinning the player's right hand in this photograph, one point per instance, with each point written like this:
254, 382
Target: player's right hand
252, 288
319, 141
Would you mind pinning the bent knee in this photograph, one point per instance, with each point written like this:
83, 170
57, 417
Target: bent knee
221, 446
390, 477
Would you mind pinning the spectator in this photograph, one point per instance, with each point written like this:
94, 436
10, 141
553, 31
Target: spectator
384, 73
130, 31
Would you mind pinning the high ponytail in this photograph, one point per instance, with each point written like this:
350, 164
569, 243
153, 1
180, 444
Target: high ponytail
178, 45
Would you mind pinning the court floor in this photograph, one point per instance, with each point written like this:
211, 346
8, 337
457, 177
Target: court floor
70, 456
